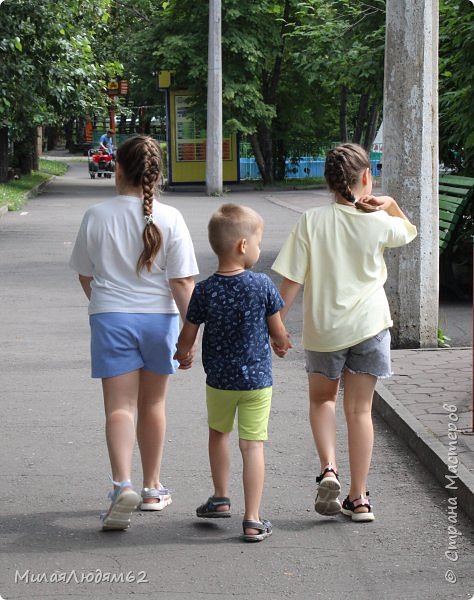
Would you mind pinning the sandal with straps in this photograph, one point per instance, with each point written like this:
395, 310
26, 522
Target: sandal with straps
208, 510
349, 509
327, 499
160, 498
264, 526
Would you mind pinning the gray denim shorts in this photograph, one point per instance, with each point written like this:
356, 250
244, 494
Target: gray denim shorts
371, 356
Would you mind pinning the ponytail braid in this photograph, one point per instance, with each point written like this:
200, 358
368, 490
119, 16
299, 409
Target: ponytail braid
344, 165
141, 162
150, 179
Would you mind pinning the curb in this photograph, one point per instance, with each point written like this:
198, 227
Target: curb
429, 450
39, 188
30, 194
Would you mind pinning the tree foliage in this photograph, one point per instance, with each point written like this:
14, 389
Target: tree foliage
49, 69
456, 85
296, 74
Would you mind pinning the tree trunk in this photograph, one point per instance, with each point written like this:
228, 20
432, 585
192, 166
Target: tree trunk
3, 154
269, 93
50, 134
24, 152
68, 129
255, 142
343, 114
361, 118
35, 150
371, 130
266, 143
280, 160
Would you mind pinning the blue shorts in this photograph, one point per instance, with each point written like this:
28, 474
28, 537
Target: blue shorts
124, 342
371, 356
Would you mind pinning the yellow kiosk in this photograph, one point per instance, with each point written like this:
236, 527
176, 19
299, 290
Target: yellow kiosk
187, 142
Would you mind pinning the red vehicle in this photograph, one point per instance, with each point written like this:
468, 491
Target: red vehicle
100, 163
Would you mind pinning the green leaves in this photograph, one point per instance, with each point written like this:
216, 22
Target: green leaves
48, 69
456, 85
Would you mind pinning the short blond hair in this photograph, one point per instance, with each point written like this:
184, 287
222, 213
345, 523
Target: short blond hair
229, 224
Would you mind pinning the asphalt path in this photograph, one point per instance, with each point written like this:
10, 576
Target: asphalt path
54, 468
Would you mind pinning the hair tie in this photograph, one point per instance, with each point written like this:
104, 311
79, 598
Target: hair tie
149, 219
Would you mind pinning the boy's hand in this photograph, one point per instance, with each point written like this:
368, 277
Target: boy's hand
281, 349
185, 360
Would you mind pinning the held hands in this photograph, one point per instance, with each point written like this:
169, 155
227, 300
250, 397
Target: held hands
280, 349
185, 359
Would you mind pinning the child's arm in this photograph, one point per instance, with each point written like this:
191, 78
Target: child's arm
85, 282
182, 290
386, 203
278, 334
288, 291
185, 348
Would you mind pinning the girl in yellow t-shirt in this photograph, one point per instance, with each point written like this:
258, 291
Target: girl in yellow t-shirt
335, 253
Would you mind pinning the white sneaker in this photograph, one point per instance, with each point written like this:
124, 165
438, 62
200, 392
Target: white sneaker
124, 500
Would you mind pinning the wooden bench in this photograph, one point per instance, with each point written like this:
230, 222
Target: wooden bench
455, 196
453, 199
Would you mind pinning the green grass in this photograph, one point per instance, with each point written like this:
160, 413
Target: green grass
13, 193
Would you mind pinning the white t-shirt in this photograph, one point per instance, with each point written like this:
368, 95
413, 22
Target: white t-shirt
109, 244
336, 252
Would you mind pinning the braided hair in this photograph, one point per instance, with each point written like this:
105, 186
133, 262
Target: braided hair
141, 162
343, 168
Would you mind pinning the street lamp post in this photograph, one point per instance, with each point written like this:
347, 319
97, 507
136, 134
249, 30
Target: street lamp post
214, 102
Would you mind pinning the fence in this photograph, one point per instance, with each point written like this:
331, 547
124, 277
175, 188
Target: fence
306, 166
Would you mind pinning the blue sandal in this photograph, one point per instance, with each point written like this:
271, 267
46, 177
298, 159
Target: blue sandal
264, 526
208, 510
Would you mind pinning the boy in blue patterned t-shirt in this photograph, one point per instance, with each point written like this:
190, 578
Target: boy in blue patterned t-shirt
240, 310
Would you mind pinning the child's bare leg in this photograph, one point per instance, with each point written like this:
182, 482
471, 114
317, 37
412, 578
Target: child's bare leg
253, 479
120, 403
358, 394
322, 417
219, 460
151, 425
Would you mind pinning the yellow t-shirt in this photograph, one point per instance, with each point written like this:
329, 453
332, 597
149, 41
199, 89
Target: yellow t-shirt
336, 252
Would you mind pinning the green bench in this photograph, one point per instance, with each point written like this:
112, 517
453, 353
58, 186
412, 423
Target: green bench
455, 205
453, 199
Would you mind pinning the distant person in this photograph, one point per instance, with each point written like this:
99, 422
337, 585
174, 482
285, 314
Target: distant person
136, 263
106, 142
239, 310
336, 253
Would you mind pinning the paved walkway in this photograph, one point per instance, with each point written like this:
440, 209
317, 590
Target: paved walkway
429, 400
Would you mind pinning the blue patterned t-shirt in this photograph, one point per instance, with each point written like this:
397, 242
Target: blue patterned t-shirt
236, 351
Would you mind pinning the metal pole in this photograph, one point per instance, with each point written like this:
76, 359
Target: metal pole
214, 103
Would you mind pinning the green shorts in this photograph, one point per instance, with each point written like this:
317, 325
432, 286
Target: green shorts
253, 413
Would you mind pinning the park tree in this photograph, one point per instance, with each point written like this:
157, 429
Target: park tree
252, 49
130, 41
48, 69
456, 86
339, 45
286, 65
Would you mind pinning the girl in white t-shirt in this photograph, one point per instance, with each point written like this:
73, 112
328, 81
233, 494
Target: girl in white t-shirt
336, 253
136, 263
